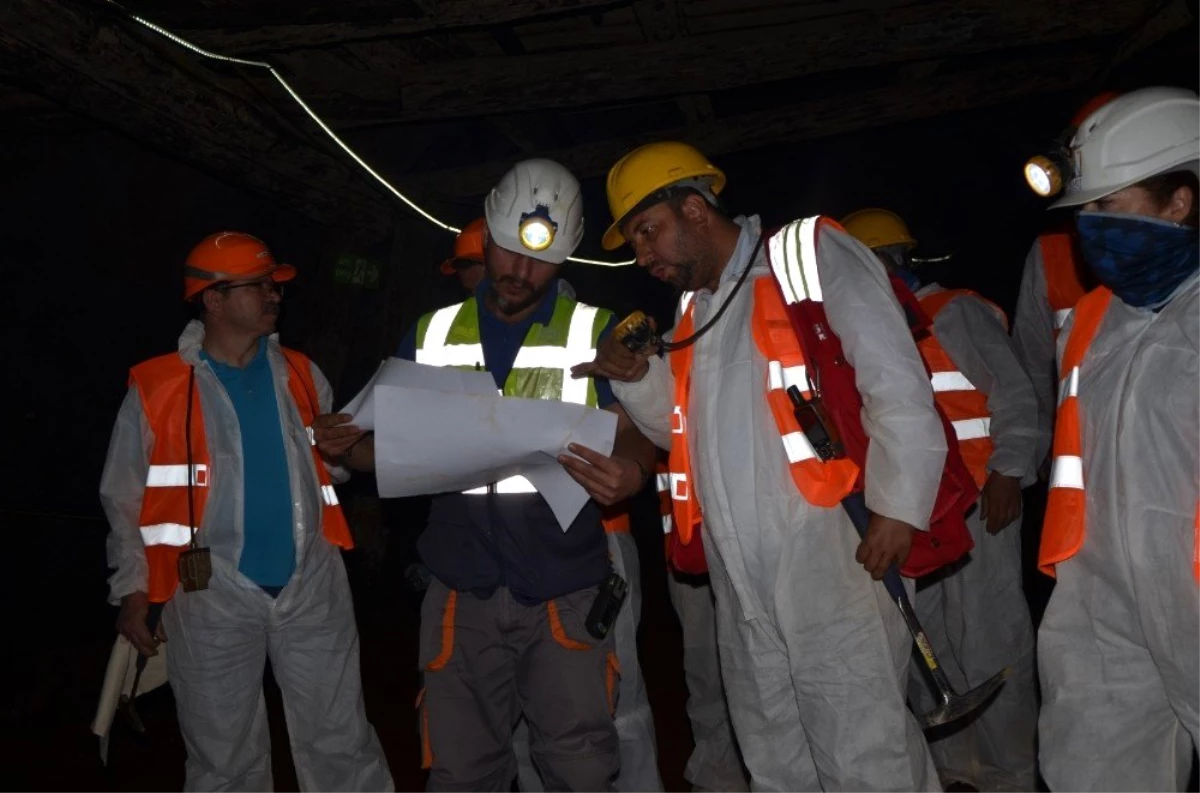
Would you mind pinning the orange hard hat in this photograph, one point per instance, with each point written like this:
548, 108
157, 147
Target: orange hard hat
230, 256
1091, 106
468, 246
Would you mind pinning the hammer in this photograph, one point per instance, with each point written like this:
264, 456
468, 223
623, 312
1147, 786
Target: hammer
953, 705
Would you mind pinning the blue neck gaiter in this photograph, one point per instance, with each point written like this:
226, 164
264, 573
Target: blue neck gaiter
1142, 260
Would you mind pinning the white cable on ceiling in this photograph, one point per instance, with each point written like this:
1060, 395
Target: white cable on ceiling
320, 122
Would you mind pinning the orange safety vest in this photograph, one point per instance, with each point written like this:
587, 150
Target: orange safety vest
964, 405
164, 385
1062, 267
1064, 528
821, 483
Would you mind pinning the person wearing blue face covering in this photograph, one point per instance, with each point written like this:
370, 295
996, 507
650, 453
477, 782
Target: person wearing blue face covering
1119, 647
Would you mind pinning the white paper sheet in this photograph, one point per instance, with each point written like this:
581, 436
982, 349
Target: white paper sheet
437, 441
400, 372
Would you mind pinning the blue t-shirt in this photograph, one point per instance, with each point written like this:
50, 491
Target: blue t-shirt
268, 549
502, 341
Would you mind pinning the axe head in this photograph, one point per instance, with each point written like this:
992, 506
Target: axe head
959, 705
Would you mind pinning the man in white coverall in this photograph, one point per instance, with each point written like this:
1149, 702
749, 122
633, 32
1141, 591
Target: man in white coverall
814, 654
1118, 649
1052, 282
211, 461
975, 612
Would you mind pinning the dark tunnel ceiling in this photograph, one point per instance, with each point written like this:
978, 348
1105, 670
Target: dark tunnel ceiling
445, 94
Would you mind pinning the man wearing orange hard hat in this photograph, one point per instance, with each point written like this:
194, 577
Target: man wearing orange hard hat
467, 261
225, 523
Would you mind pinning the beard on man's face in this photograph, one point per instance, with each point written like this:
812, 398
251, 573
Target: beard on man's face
521, 295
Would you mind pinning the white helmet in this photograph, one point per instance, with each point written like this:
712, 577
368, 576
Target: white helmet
1135, 136
536, 209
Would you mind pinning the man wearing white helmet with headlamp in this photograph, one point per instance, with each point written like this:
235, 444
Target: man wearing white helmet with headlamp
1052, 282
503, 623
1119, 645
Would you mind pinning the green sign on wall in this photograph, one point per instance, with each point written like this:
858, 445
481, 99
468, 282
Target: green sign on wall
356, 271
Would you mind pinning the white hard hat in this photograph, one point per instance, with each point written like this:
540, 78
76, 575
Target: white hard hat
1135, 136
536, 209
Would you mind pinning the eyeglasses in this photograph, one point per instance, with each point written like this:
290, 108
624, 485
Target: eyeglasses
266, 285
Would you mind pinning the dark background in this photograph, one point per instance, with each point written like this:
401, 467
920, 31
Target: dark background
93, 230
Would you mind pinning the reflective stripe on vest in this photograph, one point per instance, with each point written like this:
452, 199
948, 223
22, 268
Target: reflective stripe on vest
791, 253
176, 534
435, 351
540, 370
514, 484
964, 405
663, 481
176, 476
163, 384
950, 381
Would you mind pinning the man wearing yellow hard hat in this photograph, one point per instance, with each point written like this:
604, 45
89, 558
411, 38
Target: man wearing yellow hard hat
814, 653
976, 614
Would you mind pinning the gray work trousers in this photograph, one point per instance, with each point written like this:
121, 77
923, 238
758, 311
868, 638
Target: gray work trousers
488, 661
635, 722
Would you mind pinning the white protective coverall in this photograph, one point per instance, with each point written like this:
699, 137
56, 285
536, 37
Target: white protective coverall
715, 763
975, 614
634, 720
219, 639
1119, 647
1033, 338
813, 652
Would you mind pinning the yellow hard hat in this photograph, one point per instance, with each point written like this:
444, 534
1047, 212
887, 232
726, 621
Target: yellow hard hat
648, 169
878, 228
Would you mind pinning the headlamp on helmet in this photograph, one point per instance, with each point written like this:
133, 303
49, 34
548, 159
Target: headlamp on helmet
1044, 174
1047, 173
536, 230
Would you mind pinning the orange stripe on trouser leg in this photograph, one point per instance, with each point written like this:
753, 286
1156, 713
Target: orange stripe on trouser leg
556, 629
612, 675
426, 746
443, 657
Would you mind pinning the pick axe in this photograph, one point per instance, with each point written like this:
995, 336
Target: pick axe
953, 705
